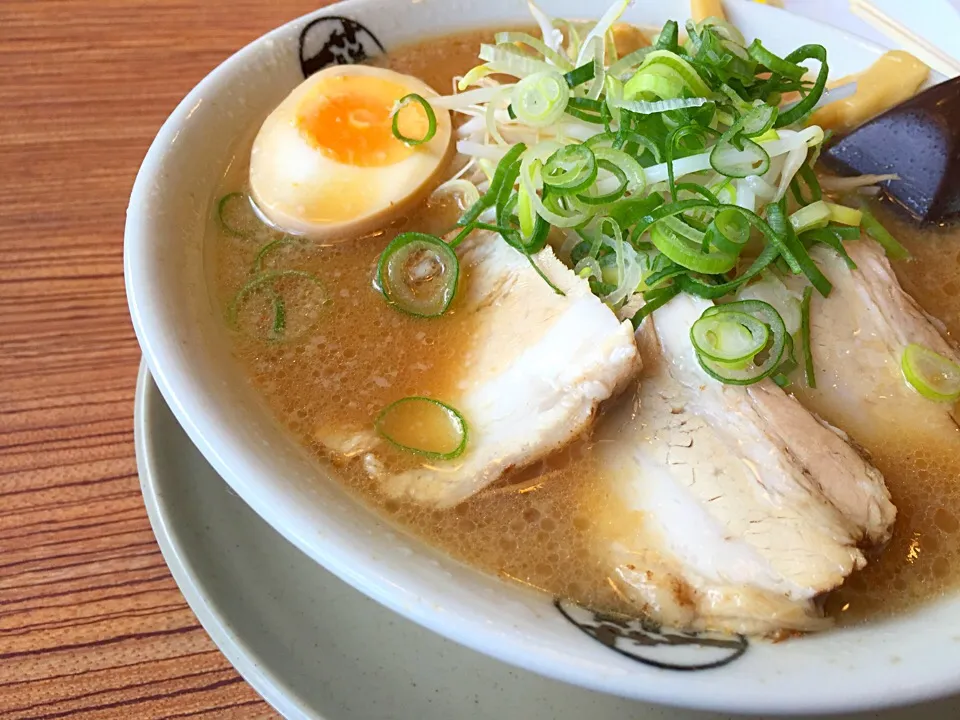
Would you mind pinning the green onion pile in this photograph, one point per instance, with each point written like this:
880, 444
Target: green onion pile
678, 167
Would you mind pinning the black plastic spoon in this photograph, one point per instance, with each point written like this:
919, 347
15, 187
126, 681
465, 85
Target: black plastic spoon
918, 140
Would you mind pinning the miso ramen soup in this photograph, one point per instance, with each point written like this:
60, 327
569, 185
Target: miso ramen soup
311, 327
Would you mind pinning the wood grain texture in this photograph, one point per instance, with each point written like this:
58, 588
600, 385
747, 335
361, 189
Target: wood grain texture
91, 623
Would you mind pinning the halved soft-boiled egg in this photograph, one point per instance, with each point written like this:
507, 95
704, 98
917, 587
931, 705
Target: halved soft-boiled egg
326, 163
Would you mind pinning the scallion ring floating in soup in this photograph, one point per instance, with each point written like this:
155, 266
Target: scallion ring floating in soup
424, 426
417, 273
933, 375
278, 305
429, 131
275, 254
237, 216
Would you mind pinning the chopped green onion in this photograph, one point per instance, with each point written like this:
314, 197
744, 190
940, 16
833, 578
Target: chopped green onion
505, 193
686, 226
237, 216
542, 274
535, 44
814, 215
803, 108
464, 191
698, 190
485, 226
774, 236
740, 373
417, 273
739, 103
725, 191
613, 195
419, 420
533, 229
540, 99
668, 38
787, 365
759, 120
580, 75
709, 291
809, 177
729, 231
473, 76
662, 210
769, 135
793, 250
628, 211
844, 232
637, 146
674, 140
654, 86
643, 107
738, 162
662, 116
527, 215
621, 67
930, 373
668, 65
511, 60
571, 169
428, 111
729, 337
588, 110
636, 177
504, 167
588, 267
873, 228
774, 63
655, 299
553, 208
269, 319
843, 215
808, 370
771, 289
271, 247
670, 271
727, 60
829, 237
585, 116
689, 253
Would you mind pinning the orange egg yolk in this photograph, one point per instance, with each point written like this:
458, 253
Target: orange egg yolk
348, 118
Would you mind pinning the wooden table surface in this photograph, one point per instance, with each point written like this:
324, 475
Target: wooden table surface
91, 623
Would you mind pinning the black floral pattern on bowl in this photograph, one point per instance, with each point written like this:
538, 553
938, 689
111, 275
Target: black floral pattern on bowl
648, 643
335, 40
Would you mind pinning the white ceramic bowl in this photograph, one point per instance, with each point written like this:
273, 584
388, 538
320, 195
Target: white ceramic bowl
911, 657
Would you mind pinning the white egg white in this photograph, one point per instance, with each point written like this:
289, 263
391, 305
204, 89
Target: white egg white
304, 191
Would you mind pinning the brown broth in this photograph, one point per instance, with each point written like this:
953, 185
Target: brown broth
922, 560
538, 526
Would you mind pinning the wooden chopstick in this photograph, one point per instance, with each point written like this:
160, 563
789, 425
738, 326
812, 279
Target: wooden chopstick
933, 56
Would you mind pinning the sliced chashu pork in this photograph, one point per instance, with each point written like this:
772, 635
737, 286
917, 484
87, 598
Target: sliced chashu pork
737, 507
540, 363
858, 334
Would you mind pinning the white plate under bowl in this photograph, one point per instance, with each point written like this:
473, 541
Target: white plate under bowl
316, 648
